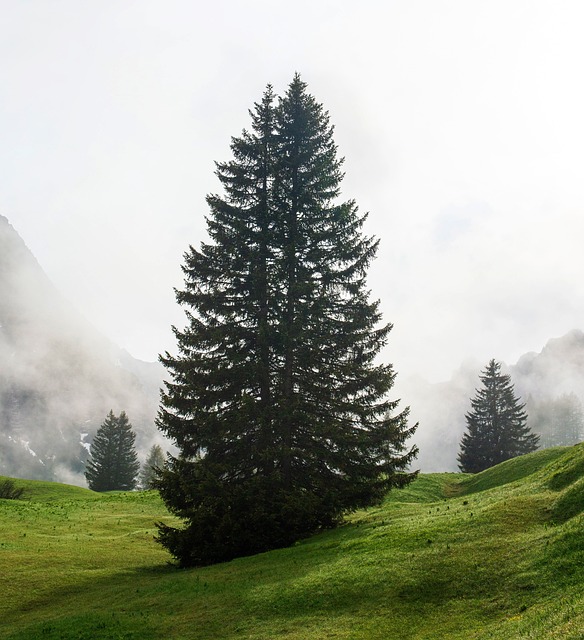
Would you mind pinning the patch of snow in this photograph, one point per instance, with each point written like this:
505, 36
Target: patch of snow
32, 453
27, 447
84, 444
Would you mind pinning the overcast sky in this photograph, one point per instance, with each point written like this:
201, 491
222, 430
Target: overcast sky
462, 124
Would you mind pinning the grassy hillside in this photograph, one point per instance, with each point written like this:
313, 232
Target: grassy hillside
496, 555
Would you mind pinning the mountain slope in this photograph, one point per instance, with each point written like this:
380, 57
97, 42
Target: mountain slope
58, 376
495, 555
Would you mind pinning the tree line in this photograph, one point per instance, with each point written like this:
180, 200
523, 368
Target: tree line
496, 431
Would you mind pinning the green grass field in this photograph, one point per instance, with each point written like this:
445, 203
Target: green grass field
496, 555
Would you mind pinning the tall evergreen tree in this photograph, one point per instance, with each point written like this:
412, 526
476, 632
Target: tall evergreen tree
276, 404
497, 425
150, 469
113, 465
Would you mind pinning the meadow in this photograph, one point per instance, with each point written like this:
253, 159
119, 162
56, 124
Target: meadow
496, 555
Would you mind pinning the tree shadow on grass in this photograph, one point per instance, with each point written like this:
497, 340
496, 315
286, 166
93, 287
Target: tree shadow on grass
335, 575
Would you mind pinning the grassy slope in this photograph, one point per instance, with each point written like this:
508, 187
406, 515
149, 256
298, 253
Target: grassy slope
496, 555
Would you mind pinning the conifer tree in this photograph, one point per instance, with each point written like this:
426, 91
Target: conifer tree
113, 465
276, 403
497, 425
153, 463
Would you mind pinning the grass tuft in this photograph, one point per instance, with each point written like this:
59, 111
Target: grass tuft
9, 490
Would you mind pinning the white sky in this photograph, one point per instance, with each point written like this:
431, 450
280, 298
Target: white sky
462, 124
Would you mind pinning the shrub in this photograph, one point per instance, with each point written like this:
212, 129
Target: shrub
9, 490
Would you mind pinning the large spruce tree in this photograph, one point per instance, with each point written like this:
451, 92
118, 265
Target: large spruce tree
497, 424
276, 402
113, 464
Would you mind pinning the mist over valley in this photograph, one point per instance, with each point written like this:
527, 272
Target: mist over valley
59, 377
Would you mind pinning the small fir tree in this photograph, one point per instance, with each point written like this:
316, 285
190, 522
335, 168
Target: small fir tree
276, 403
496, 426
113, 464
150, 469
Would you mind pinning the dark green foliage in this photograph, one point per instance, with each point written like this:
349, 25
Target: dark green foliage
9, 490
113, 465
276, 403
496, 426
150, 469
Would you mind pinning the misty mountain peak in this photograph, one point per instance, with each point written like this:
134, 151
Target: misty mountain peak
59, 376
570, 345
